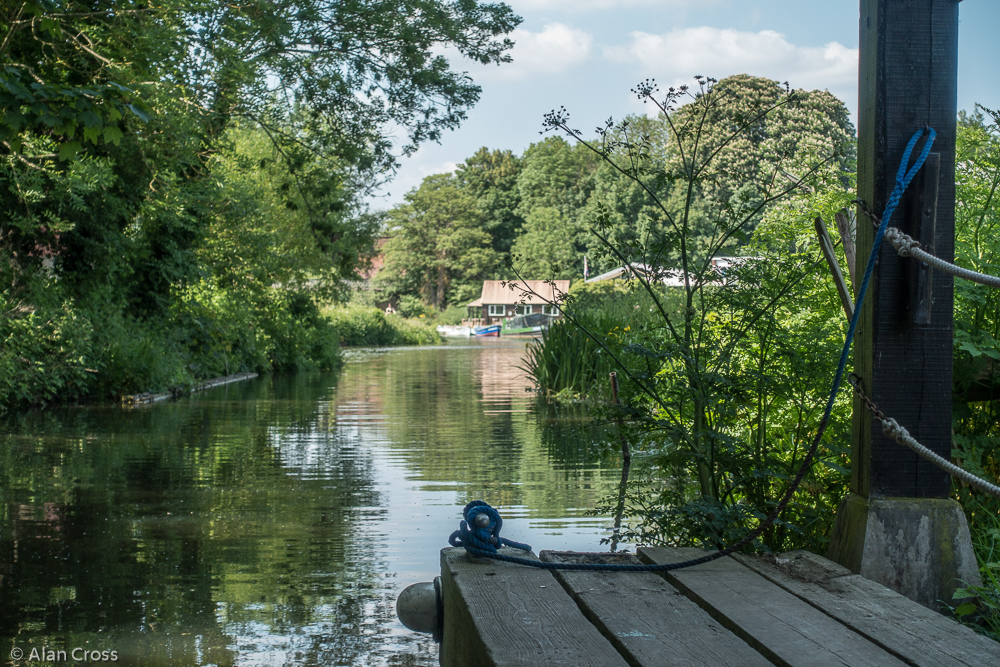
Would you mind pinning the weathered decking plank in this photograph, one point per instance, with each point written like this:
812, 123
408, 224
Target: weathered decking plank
499, 614
648, 620
784, 628
918, 635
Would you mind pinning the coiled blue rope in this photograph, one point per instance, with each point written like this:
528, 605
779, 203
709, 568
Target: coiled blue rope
482, 540
479, 532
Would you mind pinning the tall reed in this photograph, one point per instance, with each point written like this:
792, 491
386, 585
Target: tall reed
566, 361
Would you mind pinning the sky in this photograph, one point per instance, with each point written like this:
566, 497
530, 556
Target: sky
587, 54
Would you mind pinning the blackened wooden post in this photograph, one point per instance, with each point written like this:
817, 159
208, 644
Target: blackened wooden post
903, 349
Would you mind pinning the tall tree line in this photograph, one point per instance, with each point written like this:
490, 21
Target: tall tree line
532, 215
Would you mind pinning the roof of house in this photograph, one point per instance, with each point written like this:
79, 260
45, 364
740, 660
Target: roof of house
534, 292
669, 277
615, 273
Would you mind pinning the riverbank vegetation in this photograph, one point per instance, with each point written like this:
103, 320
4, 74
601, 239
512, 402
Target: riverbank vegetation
723, 372
358, 325
181, 186
724, 383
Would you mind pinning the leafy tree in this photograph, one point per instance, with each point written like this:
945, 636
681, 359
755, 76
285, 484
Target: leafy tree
360, 67
173, 163
491, 177
557, 177
621, 204
437, 247
547, 246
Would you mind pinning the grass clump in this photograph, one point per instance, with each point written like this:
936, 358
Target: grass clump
565, 363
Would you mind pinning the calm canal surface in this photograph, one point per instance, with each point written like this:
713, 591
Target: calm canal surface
274, 522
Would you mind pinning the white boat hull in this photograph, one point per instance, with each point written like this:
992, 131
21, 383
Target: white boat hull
451, 331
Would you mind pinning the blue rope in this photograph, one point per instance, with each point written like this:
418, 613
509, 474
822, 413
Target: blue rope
478, 538
482, 541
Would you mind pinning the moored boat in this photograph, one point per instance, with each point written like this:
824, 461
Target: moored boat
492, 330
452, 331
527, 325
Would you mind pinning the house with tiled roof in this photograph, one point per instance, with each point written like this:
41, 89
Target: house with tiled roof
501, 299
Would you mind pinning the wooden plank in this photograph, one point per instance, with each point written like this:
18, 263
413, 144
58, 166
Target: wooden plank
147, 398
846, 228
908, 630
497, 613
648, 620
787, 630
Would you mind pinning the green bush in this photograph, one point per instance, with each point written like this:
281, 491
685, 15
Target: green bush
983, 612
227, 331
566, 362
367, 326
132, 356
411, 306
44, 354
414, 331
452, 315
301, 338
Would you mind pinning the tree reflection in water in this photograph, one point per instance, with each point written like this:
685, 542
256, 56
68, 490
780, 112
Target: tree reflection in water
274, 522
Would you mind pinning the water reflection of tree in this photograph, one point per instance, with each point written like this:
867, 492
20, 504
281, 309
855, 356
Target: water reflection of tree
171, 532
478, 426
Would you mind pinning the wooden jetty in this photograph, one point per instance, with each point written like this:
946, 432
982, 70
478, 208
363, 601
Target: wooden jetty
797, 610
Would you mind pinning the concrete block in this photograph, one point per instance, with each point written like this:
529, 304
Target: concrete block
919, 547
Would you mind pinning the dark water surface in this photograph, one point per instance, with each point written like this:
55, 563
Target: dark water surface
274, 522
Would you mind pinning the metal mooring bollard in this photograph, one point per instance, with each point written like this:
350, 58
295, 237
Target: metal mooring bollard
420, 607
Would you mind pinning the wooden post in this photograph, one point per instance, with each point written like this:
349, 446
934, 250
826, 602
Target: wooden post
909, 68
903, 348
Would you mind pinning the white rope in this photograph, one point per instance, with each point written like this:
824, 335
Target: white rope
892, 429
907, 247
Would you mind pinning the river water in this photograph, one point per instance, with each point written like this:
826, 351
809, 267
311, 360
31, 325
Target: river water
274, 522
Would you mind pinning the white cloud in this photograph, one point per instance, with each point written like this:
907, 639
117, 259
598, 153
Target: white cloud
445, 168
555, 49
675, 57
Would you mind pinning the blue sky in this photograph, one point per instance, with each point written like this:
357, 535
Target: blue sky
587, 54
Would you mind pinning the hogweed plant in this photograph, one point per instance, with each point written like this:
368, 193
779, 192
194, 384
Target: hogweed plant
723, 386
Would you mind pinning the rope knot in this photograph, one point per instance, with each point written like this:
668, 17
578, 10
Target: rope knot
479, 532
903, 244
892, 429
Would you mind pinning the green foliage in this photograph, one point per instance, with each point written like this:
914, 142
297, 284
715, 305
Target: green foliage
567, 363
491, 178
982, 613
554, 184
436, 245
133, 356
358, 326
53, 84
452, 315
724, 387
43, 353
546, 246
411, 306
977, 246
976, 410
226, 331
189, 176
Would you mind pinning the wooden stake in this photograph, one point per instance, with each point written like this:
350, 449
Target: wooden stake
626, 464
831, 260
